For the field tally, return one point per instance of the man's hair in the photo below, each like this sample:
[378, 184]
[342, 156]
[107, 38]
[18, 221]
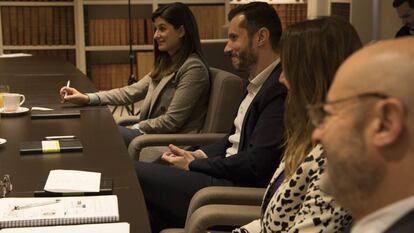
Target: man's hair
[258, 15]
[397, 3]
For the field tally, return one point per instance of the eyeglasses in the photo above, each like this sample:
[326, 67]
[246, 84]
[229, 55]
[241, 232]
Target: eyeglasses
[317, 112]
[5, 186]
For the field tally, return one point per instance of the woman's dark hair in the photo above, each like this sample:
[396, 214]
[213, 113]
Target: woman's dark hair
[177, 14]
[311, 53]
[258, 15]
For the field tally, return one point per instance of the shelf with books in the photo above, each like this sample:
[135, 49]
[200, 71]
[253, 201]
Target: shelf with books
[36, 27]
[78, 28]
[113, 30]
[341, 9]
[108, 69]
[106, 35]
[289, 11]
[107, 39]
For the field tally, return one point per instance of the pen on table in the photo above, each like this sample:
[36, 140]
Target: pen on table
[60, 137]
[67, 85]
[31, 205]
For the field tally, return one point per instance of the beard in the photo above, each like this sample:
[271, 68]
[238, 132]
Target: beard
[352, 176]
[246, 58]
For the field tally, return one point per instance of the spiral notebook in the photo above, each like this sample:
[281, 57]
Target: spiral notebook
[30, 212]
[119, 227]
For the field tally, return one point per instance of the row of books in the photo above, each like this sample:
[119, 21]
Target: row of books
[289, 13]
[341, 9]
[108, 76]
[68, 55]
[116, 32]
[40, 25]
[210, 20]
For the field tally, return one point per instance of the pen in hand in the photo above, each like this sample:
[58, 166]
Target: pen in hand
[67, 85]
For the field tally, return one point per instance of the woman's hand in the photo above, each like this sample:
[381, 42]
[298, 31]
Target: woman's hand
[69, 94]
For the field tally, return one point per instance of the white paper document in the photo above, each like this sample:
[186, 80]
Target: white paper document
[69, 181]
[121, 227]
[15, 55]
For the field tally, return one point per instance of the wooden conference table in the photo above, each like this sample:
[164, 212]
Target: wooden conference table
[40, 79]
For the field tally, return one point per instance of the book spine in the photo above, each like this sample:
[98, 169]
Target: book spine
[5, 18]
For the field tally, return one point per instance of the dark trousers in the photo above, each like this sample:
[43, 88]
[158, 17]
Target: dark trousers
[168, 191]
[128, 134]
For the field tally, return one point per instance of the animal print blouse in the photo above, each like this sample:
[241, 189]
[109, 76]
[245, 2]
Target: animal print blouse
[299, 205]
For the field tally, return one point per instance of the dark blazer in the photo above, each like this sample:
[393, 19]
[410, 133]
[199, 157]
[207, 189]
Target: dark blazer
[404, 225]
[261, 136]
[404, 31]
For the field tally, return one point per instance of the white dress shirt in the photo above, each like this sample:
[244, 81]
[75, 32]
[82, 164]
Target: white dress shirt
[382, 219]
[252, 89]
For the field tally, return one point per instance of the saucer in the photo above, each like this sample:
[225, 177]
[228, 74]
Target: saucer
[20, 111]
[2, 141]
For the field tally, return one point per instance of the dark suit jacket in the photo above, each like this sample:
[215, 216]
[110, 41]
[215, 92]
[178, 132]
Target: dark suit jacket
[261, 136]
[404, 31]
[404, 225]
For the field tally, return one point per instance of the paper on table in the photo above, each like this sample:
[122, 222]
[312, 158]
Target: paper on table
[121, 227]
[69, 181]
[35, 211]
[15, 55]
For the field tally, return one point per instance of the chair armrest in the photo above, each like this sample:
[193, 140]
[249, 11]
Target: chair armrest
[177, 139]
[221, 215]
[173, 230]
[138, 143]
[127, 120]
[226, 195]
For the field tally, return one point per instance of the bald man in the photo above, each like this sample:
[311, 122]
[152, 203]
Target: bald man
[367, 130]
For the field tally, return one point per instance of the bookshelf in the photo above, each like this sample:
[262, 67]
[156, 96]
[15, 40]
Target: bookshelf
[93, 34]
[289, 11]
[106, 57]
[38, 27]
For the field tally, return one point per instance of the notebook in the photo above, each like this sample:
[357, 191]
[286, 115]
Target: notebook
[51, 146]
[62, 113]
[121, 227]
[38, 211]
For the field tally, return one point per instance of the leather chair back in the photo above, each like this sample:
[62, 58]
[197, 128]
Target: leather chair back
[226, 90]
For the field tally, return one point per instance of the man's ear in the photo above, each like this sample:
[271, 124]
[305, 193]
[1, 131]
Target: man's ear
[182, 31]
[262, 36]
[389, 120]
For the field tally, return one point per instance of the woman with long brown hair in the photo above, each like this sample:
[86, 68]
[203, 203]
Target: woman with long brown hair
[294, 202]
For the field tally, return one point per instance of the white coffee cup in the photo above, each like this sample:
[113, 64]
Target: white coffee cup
[12, 101]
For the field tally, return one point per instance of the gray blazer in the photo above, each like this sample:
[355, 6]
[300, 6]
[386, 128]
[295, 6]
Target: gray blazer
[176, 103]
